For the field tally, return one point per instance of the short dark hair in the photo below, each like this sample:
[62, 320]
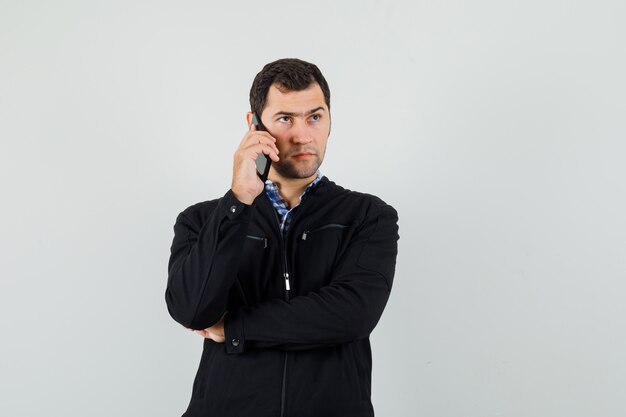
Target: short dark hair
[290, 74]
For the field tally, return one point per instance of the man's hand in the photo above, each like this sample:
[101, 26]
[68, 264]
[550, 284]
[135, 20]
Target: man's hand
[246, 184]
[215, 332]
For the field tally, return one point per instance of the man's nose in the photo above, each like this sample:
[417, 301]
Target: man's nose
[301, 132]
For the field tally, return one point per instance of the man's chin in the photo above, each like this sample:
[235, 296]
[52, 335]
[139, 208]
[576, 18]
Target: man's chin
[296, 172]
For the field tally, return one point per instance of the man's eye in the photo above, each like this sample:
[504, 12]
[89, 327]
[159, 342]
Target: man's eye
[316, 117]
[284, 119]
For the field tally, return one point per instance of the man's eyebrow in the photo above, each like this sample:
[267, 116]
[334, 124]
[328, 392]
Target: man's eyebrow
[286, 113]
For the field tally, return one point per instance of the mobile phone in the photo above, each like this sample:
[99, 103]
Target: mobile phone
[262, 161]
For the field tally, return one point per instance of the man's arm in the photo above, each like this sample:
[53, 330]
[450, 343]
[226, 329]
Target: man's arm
[204, 261]
[345, 310]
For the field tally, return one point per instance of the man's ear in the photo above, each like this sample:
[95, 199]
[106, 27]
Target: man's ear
[330, 126]
[249, 118]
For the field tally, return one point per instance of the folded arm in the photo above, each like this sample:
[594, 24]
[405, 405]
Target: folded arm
[204, 261]
[345, 310]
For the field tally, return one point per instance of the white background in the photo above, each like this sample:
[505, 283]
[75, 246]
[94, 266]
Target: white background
[495, 128]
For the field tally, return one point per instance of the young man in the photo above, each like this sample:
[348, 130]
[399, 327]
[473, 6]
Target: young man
[284, 280]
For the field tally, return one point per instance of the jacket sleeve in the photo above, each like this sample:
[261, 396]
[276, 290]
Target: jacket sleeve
[345, 310]
[203, 262]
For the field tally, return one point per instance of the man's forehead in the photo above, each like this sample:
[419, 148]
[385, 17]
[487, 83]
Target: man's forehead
[279, 99]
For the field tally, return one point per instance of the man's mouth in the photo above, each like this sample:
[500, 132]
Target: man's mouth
[303, 155]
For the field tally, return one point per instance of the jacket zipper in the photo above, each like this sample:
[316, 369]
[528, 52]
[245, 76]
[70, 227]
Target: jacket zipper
[284, 388]
[327, 226]
[286, 274]
[284, 240]
[283, 393]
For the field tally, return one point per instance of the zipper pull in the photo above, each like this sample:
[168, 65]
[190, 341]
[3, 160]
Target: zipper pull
[304, 235]
[287, 281]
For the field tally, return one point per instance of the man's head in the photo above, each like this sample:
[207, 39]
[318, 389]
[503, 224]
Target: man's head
[292, 99]
[288, 74]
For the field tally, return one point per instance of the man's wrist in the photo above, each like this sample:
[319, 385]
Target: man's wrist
[242, 199]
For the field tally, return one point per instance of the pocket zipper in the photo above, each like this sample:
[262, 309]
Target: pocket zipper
[260, 239]
[327, 226]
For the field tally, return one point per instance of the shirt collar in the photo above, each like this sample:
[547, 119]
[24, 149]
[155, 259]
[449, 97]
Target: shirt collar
[272, 189]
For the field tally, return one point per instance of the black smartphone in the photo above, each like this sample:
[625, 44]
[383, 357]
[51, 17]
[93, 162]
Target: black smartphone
[263, 161]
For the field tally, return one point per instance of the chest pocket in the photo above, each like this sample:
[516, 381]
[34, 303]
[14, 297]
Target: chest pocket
[319, 247]
[337, 226]
[256, 276]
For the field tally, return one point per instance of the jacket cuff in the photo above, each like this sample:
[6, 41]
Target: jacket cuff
[233, 333]
[232, 207]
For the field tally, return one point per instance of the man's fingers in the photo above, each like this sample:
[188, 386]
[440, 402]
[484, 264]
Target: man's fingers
[253, 141]
[263, 140]
[202, 333]
[268, 149]
[255, 151]
[274, 157]
[253, 135]
[208, 334]
[264, 146]
[266, 142]
[216, 337]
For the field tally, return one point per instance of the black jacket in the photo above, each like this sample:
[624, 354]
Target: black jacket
[301, 351]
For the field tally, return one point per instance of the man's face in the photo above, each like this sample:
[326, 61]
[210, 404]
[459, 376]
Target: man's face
[300, 122]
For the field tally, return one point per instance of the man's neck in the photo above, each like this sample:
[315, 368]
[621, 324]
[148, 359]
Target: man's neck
[290, 189]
